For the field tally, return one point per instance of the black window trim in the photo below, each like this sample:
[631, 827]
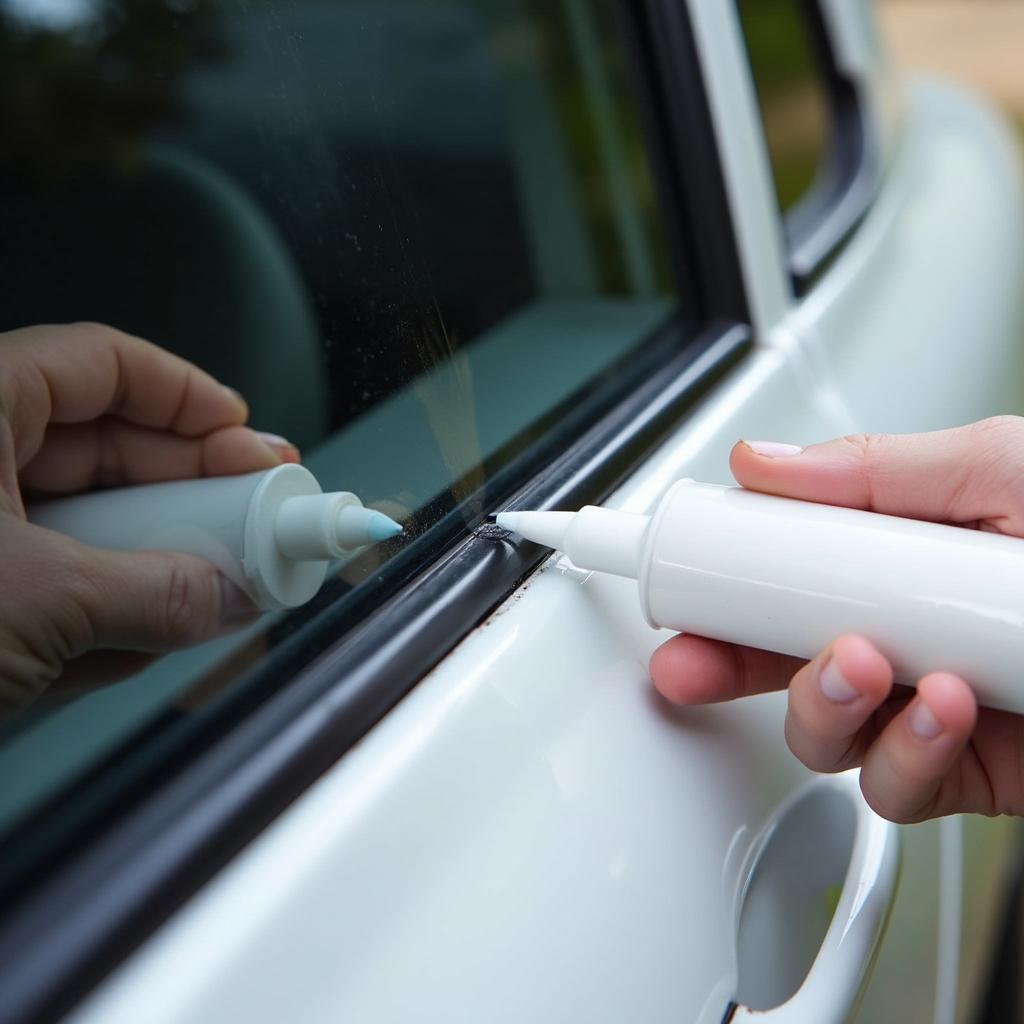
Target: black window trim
[822, 220]
[97, 904]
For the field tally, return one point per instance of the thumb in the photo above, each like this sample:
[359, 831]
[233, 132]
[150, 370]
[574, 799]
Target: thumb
[156, 600]
[969, 475]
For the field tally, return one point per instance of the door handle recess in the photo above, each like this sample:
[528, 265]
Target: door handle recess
[823, 846]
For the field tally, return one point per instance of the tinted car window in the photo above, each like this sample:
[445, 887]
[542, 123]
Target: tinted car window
[415, 235]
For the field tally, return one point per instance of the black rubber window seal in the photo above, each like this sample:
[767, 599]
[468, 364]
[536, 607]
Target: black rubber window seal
[817, 227]
[820, 224]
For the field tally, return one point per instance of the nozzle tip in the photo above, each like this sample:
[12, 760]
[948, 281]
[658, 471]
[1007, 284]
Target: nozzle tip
[507, 521]
[381, 527]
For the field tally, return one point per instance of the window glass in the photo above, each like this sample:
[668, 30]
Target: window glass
[415, 234]
[791, 91]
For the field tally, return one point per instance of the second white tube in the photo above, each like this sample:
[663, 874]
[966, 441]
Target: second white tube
[271, 533]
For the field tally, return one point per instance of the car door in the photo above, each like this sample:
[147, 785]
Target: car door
[905, 326]
[522, 254]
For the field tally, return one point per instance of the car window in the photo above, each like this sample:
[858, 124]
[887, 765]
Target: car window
[791, 93]
[417, 236]
[823, 158]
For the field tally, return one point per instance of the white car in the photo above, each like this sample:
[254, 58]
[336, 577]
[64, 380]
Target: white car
[474, 255]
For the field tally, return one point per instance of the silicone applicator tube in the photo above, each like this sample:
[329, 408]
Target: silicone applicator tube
[271, 533]
[789, 576]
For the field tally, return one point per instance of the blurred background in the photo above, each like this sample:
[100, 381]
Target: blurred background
[973, 42]
[979, 42]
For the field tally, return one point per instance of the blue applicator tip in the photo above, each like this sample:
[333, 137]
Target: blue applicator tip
[381, 527]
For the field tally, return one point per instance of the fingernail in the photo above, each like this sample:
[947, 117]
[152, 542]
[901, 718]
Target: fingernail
[774, 449]
[235, 605]
[835, 686]
[281, 446]
[923, 724]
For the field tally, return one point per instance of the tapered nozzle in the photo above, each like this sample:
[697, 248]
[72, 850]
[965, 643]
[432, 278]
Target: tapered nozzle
[357, 526]
[593, 538]
[547, 528]
[319, 527]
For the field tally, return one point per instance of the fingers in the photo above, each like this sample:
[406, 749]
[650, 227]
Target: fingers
[967, 475]
[909, 772]
[832, 703]
[69, 613]
[78, 372]
[694, 670]
[842, 714]
[154, 600]
[108, 451]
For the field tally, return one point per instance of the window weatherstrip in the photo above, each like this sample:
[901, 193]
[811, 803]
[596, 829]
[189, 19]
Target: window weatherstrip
[821, 221]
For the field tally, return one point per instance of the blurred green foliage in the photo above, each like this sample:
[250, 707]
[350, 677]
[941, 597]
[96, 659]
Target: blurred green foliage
[790, 92]
[777, 43]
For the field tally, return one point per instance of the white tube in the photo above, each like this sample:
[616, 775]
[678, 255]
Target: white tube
[271, 533]
[789, 576]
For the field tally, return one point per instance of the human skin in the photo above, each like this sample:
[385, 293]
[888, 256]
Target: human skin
[85, 406]
[923, 753]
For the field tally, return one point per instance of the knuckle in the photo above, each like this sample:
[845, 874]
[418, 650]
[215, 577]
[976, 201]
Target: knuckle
[835, 759]
[869, 453]
[824, 758]
[996, 439]
[868, 449]
[94, 331]
[82, 594]
[184, 606]
[805, 742]
[1004, 427]
[891, 807]
[95, 328]
[860, 445]
[880, 805]
[857, 444]
[821, 740]
[102, 336]
[997, 462]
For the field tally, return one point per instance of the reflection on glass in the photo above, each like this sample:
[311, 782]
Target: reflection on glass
[413, 234]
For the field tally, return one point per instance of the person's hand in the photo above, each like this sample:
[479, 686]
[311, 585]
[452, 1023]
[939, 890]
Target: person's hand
[83, 406]
[925, 753]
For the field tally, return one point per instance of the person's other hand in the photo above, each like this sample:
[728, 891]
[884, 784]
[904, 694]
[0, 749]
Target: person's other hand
[82, 406]
[922, 753]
